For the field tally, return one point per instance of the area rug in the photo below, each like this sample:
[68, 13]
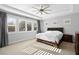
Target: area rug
[34, 50]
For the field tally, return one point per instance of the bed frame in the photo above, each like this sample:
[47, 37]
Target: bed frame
[52, 43]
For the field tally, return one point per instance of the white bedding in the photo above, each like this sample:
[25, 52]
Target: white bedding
[53, 36]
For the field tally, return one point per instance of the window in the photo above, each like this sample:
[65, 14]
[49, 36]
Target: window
[16, 24]
[11, 24]
[35, 26]
[22, 26]
[29, 26]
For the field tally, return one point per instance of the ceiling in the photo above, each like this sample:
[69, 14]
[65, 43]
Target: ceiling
[55, 9]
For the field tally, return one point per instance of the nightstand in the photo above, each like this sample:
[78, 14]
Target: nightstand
[68, 38]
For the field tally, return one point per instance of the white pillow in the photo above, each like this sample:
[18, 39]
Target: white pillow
[54, 32]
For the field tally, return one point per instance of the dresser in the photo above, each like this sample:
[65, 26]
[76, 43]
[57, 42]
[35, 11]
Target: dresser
[77, 43]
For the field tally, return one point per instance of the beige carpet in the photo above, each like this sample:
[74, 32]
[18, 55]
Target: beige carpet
[32, 47]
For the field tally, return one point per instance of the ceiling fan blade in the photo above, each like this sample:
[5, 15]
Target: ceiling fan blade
[46, 7]
[35, 8]
[41, 12]
[41, 6]
[46, 12]
[37, 12]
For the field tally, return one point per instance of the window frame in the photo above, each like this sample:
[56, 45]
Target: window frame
[12, 25]
[25, 25]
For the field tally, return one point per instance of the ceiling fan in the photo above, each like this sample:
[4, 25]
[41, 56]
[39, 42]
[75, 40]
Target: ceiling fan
[42, 10]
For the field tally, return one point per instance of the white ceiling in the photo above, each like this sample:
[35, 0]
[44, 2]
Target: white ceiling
[56, 9]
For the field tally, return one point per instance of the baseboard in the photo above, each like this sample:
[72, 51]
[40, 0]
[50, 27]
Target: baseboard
[11, 43]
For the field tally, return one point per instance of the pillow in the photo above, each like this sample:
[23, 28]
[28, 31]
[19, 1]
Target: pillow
[54, 32]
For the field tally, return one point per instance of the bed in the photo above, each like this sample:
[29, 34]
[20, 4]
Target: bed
[47, 40]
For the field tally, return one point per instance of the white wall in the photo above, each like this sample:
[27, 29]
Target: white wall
[69, 28]
[20, 36]
[76, 8]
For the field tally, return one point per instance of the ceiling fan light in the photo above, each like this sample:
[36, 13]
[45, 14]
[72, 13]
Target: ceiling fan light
[41, 10]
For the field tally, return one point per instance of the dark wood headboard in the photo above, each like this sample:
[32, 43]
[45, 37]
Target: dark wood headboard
[58, 29]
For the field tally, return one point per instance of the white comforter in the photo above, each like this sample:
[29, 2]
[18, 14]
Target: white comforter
[53, 36]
